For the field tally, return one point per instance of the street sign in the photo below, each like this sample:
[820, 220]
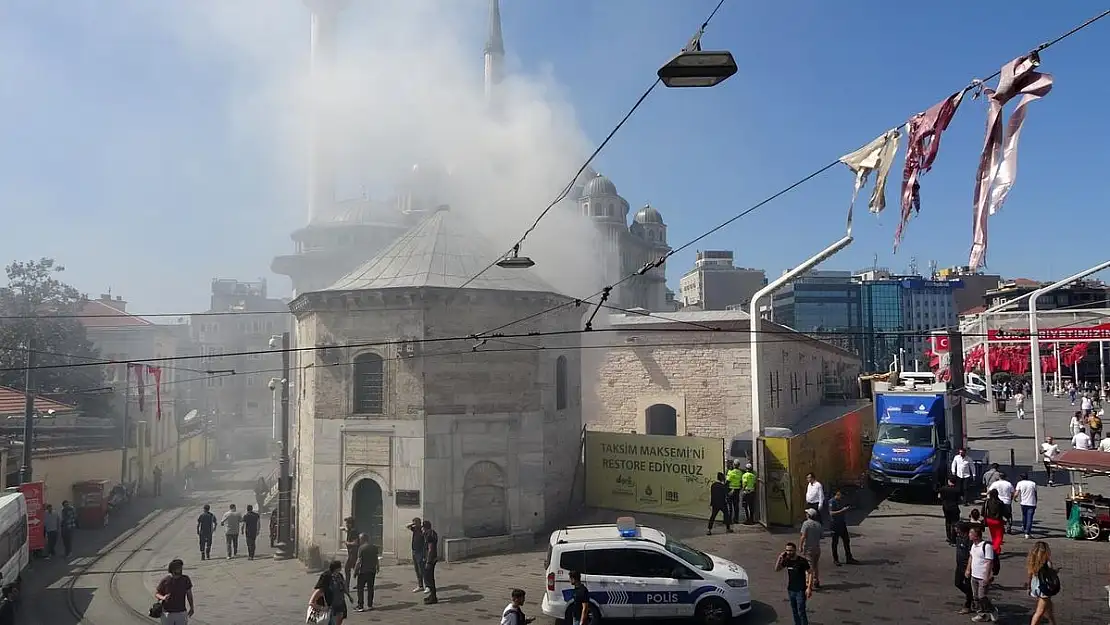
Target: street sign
[1051, 335]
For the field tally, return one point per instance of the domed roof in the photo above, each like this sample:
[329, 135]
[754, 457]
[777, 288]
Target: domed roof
[648, 215]
[599, 186]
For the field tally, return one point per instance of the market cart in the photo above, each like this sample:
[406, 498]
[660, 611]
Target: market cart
[1094, 509]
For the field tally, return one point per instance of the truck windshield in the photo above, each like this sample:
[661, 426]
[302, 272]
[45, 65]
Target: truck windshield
[909, 435]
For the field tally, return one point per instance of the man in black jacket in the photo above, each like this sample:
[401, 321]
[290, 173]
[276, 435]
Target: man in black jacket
[718, 502]
[963, 553]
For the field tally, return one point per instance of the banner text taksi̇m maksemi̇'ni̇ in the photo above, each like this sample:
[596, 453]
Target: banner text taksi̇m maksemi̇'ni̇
[651, 474]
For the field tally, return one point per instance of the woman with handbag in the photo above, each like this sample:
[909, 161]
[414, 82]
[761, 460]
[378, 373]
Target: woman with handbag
[328, 603]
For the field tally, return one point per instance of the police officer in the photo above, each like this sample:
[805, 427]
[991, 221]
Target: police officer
[735, 480]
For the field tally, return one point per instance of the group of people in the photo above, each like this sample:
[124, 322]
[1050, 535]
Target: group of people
[59, 526]
[732, 492]
[235, 523]
[331, 594]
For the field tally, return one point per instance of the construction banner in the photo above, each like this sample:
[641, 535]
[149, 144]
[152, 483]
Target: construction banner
[651, 474]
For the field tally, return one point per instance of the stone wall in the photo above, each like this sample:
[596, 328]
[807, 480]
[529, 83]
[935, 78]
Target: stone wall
[705, 377]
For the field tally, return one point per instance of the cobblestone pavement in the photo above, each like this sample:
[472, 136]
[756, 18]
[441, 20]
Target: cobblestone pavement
[906, 572]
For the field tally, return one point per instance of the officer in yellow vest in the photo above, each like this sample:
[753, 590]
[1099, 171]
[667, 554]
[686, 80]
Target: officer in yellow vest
[735, 478]
[747, 494]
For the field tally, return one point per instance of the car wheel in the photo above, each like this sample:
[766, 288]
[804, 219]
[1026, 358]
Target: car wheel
[714, 611]
[1091, 528]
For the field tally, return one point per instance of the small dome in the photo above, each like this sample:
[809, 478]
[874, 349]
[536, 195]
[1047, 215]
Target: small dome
[599, 186]
[648, 215]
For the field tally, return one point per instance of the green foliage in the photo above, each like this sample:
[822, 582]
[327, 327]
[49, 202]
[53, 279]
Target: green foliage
[34, 307]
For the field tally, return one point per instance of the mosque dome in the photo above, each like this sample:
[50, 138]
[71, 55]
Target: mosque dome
[599, 186]
[648, 215]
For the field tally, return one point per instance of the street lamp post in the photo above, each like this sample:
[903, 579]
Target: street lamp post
[284, 546]
[755, 357]
[28, 418]
[1035, 348]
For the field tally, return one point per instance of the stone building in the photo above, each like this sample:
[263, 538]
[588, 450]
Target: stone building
[697, 382]
[401, 419]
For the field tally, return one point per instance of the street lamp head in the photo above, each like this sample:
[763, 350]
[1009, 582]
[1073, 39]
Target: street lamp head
[513, 260]
[697, 68]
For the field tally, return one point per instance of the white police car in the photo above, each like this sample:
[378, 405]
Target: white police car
[638, 572]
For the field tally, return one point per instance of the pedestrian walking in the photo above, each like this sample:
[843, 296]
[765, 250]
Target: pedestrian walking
[329, 595]
[810, 544]
[417, 530]
[735, 478]
[513, 614]
[157, 480]
[366, 573]
[799, 582]
[1026, 493]
[992, 517]
[990, 476]
[579, 607]
[964, 471]
[1049, 451]
[962, 542]
[747, 494]
[69, 524]
[52, 525]
[950, 497]
[206, 527]
[252, 523]
[1019, 403]
[1005, 491]
[1044, 582]
[261, 489]
[231, 521]
[273, 528]
[838, 523]
[815, 497]
[175, 594]
[980, 570]
[431, 557]
[718, 504]
[350, 540]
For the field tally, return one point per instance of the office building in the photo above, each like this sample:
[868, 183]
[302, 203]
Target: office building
[975, 285]
[716, 284]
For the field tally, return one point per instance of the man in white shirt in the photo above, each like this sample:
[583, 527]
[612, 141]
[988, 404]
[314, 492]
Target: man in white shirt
[1026, 493]
[964, 471]
[1019, 403]
[1086, 405]
[1076, 423]
[1104, 444]
[1006, 495]
[1049, 451]
[980, 570]
[1081, 440]
[815, 496]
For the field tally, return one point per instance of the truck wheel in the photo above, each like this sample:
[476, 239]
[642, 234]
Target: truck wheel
[713, 611]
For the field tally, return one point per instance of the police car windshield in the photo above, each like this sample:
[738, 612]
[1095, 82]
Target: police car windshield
[689, 554]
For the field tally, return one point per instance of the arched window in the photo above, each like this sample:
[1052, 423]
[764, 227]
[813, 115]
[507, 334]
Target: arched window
[368, 382]
[561, 383]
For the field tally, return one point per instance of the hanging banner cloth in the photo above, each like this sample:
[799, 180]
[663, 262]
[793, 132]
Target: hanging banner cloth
[156, 373]
[998, 162]
[138, 370]
[922, 143]
[878, 157]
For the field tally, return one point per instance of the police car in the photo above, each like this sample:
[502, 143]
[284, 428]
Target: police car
[639, 572]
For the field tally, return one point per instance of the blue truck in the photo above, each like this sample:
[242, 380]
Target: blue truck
[917, 436]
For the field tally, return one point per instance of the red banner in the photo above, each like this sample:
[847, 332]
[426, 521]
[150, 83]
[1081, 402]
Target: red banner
[1088, 334]
[36, 533]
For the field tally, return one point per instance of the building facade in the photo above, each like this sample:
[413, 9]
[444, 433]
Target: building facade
[1084, 294]
[975, 285]
[653, 381]
[121, 337]
[233, 335]
[401, 418]
[715, 283]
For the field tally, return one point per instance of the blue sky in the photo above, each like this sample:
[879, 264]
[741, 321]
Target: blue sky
[119, 156]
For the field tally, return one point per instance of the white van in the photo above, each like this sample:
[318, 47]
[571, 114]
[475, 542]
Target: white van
[639, 572]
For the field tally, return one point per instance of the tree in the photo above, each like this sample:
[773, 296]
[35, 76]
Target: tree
[37, 312]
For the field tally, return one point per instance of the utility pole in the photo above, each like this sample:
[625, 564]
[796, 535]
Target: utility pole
[126, 426]
[28, 417]
[284, 546]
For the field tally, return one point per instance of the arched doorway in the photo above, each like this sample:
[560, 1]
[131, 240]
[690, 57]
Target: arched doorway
[485, 506]
[661, 419]
[366, 507]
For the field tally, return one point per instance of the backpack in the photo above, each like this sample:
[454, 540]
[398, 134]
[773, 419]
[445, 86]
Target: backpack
[1049, 579]
[995, 564]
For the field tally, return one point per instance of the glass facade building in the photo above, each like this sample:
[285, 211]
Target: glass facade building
[872, 318]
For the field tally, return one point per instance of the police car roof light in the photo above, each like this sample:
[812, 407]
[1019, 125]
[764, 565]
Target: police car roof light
[626, 527]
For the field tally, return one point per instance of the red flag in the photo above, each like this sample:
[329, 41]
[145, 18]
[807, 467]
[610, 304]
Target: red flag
[156, 373]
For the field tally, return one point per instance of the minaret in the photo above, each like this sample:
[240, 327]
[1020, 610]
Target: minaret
[494, 51]
[321, 153]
